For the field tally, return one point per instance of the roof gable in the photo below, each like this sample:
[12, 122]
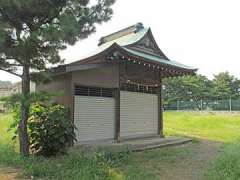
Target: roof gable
[148, 45]
[135, 42]
[136, 37]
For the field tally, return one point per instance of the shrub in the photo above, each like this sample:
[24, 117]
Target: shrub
[13, 104]
[50, 129]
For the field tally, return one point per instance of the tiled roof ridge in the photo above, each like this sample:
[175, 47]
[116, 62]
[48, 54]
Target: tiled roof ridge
[123, 32]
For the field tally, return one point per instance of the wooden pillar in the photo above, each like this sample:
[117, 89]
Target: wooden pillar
[117, 107]
[160, 109]
[117, 112]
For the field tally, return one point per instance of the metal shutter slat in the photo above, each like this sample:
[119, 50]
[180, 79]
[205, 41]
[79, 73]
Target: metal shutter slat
[94, 118]
[138, 113]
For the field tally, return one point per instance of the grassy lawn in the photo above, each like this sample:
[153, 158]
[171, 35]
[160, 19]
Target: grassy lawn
[217, 127]
[5, 121]
[215, 154]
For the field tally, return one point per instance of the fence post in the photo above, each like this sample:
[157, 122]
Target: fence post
[177, 104]
[230, 104]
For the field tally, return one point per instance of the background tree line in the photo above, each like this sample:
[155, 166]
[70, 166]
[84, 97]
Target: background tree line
[199, 87]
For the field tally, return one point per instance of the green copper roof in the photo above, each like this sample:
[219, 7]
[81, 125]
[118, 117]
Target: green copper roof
[158, 59]
[129, 36]
[128, 39]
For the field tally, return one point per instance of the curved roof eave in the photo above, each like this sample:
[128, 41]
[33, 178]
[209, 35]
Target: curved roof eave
[95, 55]
[137, 54]
[170, 63]
[124, 41]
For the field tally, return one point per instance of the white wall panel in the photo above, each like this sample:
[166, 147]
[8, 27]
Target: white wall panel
[94, 117]
[138, 114]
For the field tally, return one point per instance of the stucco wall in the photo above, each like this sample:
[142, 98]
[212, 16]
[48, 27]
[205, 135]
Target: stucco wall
[61, 86]
[106, 77]
[103, 77]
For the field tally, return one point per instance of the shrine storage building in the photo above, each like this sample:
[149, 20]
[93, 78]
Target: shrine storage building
[115, 93]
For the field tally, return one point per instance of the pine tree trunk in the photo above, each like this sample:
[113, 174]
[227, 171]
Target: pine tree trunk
[22, 128]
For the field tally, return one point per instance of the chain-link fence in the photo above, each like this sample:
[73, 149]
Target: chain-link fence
[211, 105]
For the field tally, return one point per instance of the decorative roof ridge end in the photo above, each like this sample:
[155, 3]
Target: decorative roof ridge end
[131, 29]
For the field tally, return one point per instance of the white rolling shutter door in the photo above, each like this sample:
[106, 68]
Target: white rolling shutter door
[138, 114]
[94, 118]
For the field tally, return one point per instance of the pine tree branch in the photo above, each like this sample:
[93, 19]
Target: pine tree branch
[8, 62]
[11, 72]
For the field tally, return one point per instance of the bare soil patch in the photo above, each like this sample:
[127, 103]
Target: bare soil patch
[8, 173]
[192, 166]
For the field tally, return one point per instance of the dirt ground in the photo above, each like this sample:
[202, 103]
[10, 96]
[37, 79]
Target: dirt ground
[8, 173]
[191, 167]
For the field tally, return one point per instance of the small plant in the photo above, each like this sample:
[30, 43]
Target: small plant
[113, 155]
[50, 129]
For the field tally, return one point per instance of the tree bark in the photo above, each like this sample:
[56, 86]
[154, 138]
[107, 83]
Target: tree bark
[22, 128]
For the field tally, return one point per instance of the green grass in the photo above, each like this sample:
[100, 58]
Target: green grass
[149, 165]
[5, 121]
[99, 165]
[8, 153]
[75, 165]
[227, 165]
[210, 126]
[224, 129]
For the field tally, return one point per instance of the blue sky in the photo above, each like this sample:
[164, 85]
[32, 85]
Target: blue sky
[201, 33]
